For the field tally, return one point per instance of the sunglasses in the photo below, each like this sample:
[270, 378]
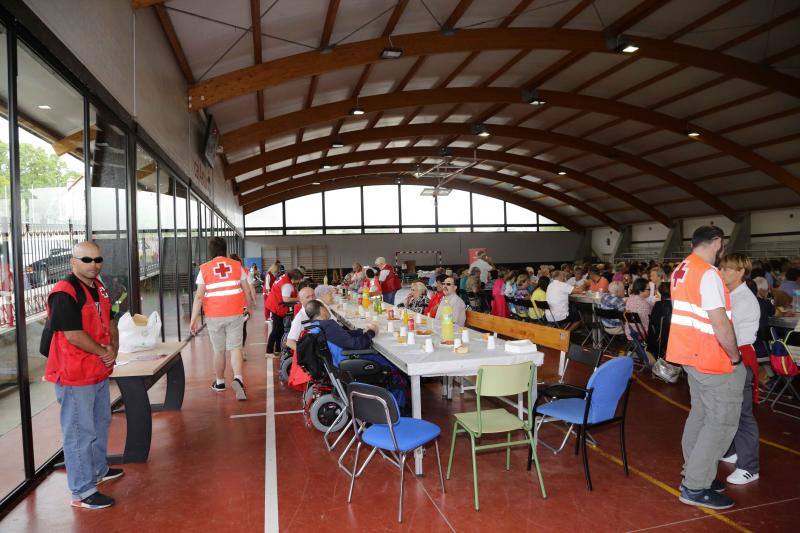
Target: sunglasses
[450, 284]
[88, 260]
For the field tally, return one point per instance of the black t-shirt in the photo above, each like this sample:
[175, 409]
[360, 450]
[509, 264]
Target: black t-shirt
[65, 314]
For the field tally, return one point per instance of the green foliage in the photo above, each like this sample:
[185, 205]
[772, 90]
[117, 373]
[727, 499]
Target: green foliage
[37, 168]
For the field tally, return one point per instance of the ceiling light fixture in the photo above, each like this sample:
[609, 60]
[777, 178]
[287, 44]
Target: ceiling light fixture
[357, 109]
[480, 130]
[45, 107]
[326, 166]
[392, 52]
[337, 144]
[621, 44]
[562, 173]
[693, 134]
[532, 97]
[315, 183]
[435, 191]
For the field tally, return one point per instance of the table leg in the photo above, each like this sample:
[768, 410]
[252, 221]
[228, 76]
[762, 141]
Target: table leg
[138, 419]
[416, 411]
[176, 384]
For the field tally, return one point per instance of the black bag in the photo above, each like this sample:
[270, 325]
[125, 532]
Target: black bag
[47, 333]
[310, 349]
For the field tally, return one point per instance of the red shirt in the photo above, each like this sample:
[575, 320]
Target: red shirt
[433, 304]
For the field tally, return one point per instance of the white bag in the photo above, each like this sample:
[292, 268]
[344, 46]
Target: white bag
[136, 338]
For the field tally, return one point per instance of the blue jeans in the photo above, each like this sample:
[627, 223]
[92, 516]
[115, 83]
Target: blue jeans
[85, 418]
[388, 297]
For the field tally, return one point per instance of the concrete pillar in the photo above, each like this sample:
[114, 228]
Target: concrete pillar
[740, 236]
[624, 242]
[673, 241]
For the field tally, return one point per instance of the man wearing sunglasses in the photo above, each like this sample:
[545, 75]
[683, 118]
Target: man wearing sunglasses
[81, 357]
[450, 290]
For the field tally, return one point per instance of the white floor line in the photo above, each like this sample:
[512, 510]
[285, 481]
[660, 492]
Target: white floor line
[718, 512]
[249, 415]
[428, 494]
[256, 343]
[270, 460]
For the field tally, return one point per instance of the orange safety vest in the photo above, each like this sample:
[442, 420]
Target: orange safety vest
[224, 295]
[691, 338]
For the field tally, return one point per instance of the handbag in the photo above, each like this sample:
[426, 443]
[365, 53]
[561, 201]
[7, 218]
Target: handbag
[665, 371]
[781, 360]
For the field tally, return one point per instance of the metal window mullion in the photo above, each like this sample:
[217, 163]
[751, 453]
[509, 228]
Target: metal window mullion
[26, 423]
[505, 217]
[133, 227]
[471, 219]
[399, 209]
[361, 189]
[323, 213]
[160, 254]
[175, 247]
[87, 167]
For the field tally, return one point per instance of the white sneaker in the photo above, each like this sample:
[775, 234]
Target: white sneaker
[730, 459]
[741, 477]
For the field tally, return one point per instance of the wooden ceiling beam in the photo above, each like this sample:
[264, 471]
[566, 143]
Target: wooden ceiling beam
[276, 72]
[141, 4]
[254, 133]
[169, 31]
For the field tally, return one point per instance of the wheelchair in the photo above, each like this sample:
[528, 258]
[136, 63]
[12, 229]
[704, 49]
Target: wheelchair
[285, 362]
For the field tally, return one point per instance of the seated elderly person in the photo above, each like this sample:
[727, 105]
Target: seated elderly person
[613, 300]
[417, 298]
[656, 276]
[597, 283]
[558, 299]
[638, 303]
[305, 295]
[451, 298]
[341, 339]
[577, 277]
[539, 295]
[475, 297]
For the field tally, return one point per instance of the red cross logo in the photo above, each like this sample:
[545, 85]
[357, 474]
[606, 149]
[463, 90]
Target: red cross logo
[102, 291]
[222, 270]
[679, 275]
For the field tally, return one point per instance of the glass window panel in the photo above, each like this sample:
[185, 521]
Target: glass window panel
[304, 211]
[303, 232]
[381, 230]
[343, 207]
[417, 209]
[147, 231]
[543, 220]
[194, 233]
[519, 215]
[183, 248]
[486, 210]
[342, 231]
[13, 467]
[552, 228]
[418, 230]
[488, 229]
[522, 228]
[461, 229]
[454, 208]
[53, 203]
[109, 206]
[381, 205]
[168, 256]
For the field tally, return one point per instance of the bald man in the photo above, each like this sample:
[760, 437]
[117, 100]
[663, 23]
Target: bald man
[81, 357]
[305, 295]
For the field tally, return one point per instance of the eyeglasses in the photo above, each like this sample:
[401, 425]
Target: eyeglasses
[88, 260]
[449, 284]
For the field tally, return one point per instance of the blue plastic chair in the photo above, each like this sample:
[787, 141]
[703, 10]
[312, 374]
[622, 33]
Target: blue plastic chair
[375, 406]
[596, 406]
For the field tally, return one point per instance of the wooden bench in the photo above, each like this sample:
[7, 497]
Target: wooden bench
[548, 337]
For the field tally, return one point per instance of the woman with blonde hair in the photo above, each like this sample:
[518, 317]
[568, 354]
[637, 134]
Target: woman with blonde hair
[417, 298]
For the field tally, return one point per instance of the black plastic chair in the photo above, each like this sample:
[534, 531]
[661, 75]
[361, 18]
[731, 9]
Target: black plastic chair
[637, 344]
[523, 307]
[548, 319]
[606, 338]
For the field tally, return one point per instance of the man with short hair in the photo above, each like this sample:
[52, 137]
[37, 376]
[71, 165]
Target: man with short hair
[597, 283]
[450, 297]
[284, 291]
[222, 292]
[558, 292]
[702, 339]
[577, 278]
[81, 357]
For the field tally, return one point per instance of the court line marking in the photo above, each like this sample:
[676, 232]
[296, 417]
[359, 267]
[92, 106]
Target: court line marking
[270, 460]
[686, 408]
[425, 490]
[723, 512]
[248, 415]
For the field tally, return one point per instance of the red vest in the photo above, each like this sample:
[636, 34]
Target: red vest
[691, 338]
[224, 295]
[433, 304]
[66, 362]
[275, 297]
[392, 282]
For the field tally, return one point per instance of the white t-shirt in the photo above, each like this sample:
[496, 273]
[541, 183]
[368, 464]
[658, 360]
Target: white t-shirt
[484, 267]
[286, 291]
[712, 291]
[745, 313]
[558, 299]
[297, 325]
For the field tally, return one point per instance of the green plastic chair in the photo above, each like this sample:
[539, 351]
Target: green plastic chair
[494, 381]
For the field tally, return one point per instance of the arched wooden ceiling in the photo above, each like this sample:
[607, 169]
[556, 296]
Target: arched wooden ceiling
[726, 70]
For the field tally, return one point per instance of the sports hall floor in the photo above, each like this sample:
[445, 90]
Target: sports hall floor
[207, 472]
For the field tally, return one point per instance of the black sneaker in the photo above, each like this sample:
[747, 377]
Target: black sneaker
[113, 473]
[219, 387]
[705, 498]
[238, 389]
[95, 501]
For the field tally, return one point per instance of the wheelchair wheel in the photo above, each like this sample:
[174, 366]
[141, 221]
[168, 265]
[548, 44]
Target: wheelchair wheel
[324, 411]
[284, 368]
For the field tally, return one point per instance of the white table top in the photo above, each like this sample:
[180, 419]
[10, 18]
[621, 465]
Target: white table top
[413, 360]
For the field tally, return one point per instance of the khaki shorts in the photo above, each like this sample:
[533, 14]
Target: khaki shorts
[225, 332]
